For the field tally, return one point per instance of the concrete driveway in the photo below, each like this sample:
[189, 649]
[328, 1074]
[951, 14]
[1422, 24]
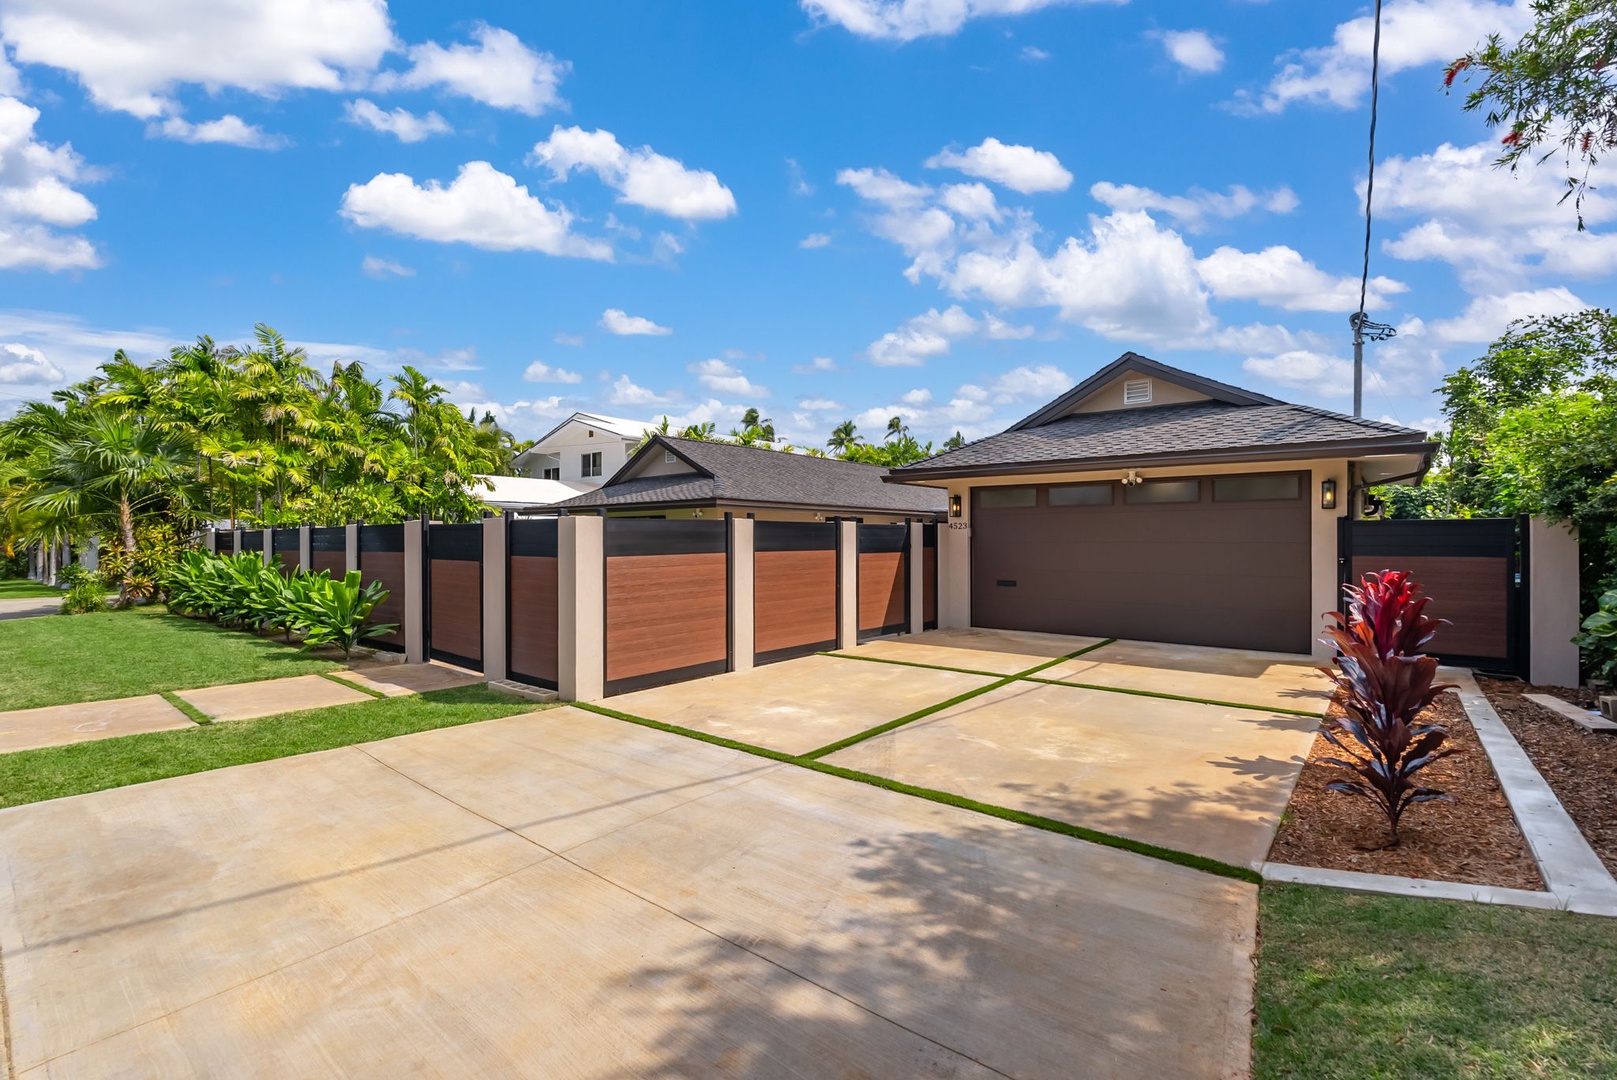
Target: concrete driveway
[564, 895]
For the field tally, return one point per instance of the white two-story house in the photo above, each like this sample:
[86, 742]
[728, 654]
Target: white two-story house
[577, 455]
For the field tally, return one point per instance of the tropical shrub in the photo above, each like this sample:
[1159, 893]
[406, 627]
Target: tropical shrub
[1384, 688]
[1599, 638]
[338, 612]
[74, 574]
[86, 596]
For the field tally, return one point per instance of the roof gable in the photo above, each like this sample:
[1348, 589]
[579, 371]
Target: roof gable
[1103, 391]
[611, 425]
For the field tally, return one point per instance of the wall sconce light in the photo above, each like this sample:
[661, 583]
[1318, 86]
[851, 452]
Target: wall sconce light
[1327, 494]
[1133, 479]
[954, 505]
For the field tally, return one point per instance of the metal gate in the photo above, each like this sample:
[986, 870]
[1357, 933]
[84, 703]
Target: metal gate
[381, 558]
[667, 601]
[454, 584]
[531, 604]
[1474, 570]
[884, 580]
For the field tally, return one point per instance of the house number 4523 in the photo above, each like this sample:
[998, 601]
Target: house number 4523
[959, 525]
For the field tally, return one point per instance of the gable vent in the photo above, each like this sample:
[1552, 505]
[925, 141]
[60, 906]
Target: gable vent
[1137, 392]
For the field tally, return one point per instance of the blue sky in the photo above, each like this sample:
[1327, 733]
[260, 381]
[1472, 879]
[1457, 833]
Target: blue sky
[945, 209]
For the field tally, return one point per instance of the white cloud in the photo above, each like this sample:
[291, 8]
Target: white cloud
[1280, 277]
[1033, 52]
[402, 123]
[74, 348]
[642, 177]
[498, 70]
[626, 392]
[21, 365]
[10, 77]
[1496, 228]
[906, 20]
[1042, 382]
[820, 405]
[973, 202]
[615, 321]
[1414, 33]
[1193, 209]
[562, 338]
[1403, 367]
[1193, 50]
[231, 130]
[924, 336]
[815, 366]
[997, 329]
[132, 56]
[1020, 168]
[815, 240]
[723, 378]
[1486, 317]
[482, 207]
[541, 372]
[382, 269]
[37, 198]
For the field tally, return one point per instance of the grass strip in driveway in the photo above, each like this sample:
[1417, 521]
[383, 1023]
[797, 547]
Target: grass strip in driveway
[921, 714]
[1351, 985]
[340, 681]
[192, 713]
[914, 664]
[56, 771]
[1178, 697]
[1019, 817]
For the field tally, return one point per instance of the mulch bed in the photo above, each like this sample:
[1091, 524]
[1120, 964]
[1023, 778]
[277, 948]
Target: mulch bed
[1473, 839]
[1580, 766]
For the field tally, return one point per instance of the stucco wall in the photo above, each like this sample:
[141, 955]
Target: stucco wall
[954, 601]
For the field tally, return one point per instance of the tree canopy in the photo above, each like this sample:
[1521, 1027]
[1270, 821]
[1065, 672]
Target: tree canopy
[1555, 90]
[253, 435]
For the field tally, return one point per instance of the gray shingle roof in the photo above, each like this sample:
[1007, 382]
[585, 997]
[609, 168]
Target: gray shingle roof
[749, 474]
[1167, 430]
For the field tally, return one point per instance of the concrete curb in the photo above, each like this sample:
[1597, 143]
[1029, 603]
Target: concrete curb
[1570, 867]
[1418, 887]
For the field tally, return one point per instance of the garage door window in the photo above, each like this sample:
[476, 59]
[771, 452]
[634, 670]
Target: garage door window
[1164, 491]
[1004, 498]
[1256, 488]
[1082, 495]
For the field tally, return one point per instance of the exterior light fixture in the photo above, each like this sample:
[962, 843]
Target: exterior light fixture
[1327, 494]
[1133, 479]
[954, 505]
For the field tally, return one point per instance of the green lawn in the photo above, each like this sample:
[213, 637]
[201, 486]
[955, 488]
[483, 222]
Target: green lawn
[53, 772]
[1359, 987]
[56, 661]
[23, 589]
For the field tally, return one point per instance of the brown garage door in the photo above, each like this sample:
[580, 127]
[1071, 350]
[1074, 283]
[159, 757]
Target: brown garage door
[1200, 560]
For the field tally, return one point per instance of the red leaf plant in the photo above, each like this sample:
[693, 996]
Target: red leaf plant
[1385, 685]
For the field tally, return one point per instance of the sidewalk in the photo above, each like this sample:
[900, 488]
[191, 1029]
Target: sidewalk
[59, 725]
[29, 607]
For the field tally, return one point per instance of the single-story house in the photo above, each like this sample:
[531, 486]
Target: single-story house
[1155, 504]
[692, 478]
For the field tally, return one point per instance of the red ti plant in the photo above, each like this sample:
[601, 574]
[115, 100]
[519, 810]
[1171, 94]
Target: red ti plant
[1385, 685]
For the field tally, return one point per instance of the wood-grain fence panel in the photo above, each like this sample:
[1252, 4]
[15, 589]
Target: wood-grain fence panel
[533, 624]
[667, 618]
[794, 603]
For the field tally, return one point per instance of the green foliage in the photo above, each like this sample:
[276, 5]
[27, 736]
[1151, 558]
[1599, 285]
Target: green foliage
[241, 590]
[1599, 638]
[1555, 89]
[75, 574]
[338, 612]
[86, 596]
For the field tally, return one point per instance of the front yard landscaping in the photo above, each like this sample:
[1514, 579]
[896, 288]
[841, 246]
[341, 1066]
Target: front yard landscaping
[58, 661]
[1358, 987]
[53, 772]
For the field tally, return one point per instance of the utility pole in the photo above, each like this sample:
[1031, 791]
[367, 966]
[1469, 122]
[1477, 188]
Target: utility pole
[1364, 330]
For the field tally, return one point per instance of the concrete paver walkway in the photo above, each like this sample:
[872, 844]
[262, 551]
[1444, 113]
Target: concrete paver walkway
[57, 725]
[401, 680]
[248, 701]
[563, 895]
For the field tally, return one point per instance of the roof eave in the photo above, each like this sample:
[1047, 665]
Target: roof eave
[751, 504]
[1335, 448]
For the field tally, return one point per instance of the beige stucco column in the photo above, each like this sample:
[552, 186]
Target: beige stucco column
[269, 546]
[235, 541]
[210, 541]
[917, 557]
[954, 564]
[581, 606]
[848, 584]
[1552, 601]
[1326, 551]
[415, 598]
[742, 636]
[305, 548]
[350, 555]
[495, 599]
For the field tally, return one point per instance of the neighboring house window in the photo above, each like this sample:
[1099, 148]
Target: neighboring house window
[552, 473]
[590, 464]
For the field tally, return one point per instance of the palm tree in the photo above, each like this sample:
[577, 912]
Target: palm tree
[897, 428]
[706, 432]
[844, 437]
[954, 442]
